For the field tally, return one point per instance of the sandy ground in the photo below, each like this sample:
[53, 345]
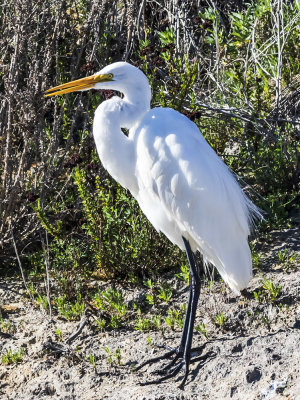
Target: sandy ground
[255, 356]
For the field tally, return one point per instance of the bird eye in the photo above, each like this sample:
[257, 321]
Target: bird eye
[110, 76]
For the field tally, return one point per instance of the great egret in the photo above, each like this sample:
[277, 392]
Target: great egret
[181, 185]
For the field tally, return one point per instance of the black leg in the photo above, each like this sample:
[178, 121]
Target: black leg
[181, 350]
[186, 320]
[182, 353]
[194, 294]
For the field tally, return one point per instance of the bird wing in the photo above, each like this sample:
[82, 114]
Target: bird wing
[186, 190]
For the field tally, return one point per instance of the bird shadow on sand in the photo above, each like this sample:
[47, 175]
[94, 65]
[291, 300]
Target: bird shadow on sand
[214, 351]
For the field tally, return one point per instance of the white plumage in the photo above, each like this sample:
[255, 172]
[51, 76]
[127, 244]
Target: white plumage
[182, 186]
[180, 183]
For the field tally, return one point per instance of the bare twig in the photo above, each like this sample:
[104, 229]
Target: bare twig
[46, 257]
[20, 265]
[280, 46]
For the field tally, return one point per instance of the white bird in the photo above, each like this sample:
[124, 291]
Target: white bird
[181, 185]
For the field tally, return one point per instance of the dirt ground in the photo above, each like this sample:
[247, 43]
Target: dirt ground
[256, 354]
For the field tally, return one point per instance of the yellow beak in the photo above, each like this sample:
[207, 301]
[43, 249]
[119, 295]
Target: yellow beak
[80, 84]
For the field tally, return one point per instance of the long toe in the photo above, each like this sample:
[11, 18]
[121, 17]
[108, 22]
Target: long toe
[157, 359]
[169, 366]
[178, 364]
[181, 365]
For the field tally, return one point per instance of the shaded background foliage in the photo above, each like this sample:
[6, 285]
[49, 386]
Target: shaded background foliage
[232, 68]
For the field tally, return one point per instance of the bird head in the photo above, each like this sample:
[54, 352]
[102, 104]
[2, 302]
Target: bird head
[119, 76]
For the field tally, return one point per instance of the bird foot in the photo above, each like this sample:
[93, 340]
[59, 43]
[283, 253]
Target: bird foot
[179, 363]
[170, 370]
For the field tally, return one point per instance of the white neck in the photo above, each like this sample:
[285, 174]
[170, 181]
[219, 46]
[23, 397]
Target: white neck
[116, 151]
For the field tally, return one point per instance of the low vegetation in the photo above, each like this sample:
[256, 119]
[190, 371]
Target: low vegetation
[233, 71]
